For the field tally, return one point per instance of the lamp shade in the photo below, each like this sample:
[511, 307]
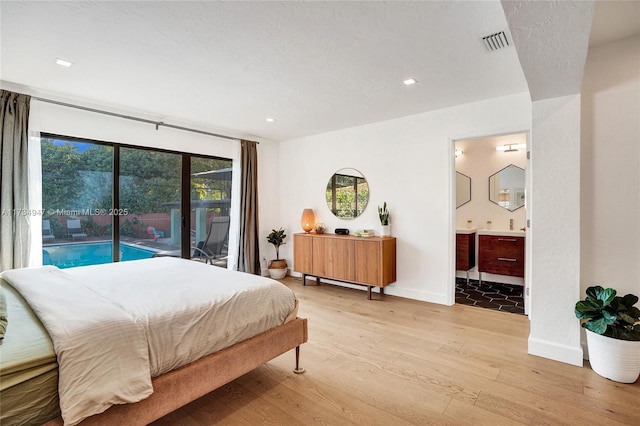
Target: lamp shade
[308, 220]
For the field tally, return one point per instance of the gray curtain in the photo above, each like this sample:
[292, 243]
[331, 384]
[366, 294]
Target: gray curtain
[14, 202]
[248, 250]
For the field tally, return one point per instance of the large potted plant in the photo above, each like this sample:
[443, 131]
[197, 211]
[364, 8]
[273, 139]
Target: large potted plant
[277, 266]
[613, 333]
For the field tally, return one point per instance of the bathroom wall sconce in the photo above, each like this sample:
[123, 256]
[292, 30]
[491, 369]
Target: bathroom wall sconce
[308, 220]
[511, 147]
[459, 152]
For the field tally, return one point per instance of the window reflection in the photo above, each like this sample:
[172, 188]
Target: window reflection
[506, 187]
[347, 193]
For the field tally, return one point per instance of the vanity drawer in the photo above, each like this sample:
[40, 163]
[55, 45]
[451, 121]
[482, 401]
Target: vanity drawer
[503, 255]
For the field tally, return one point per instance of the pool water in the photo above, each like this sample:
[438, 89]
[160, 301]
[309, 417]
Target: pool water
[83, 254]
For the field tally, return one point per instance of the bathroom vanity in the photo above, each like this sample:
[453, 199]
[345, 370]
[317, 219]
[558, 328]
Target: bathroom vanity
[465, 250]
[501, 252]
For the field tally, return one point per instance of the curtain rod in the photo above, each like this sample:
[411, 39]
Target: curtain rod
[142, 120]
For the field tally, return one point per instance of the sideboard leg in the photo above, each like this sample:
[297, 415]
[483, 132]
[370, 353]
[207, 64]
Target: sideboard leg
[304, 279]
[369, 292]
[381, 291]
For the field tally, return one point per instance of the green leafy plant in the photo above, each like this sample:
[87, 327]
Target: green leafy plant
[277, 239]
[91, 228]
[127, 229]
[605, 313]
[57, 229]
[384, 214]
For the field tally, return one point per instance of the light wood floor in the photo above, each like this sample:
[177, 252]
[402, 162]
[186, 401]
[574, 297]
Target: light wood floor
[399, 362]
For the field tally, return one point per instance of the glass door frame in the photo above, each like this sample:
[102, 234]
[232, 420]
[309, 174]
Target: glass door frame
[185, 187]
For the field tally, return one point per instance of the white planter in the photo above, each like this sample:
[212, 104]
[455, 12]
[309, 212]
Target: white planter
[385, 230]
[278, 274]
[615, 359]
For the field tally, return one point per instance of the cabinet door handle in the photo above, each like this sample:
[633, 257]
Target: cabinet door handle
[507, 259]
[513, 240]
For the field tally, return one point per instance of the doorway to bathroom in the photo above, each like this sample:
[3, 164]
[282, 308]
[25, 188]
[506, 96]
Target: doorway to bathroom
[490, 222]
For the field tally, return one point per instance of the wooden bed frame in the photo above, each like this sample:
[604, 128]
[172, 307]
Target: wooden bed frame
[185, 384]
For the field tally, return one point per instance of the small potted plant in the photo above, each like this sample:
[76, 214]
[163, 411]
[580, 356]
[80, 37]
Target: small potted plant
[383, 213]
[277, 266]
[613, 333]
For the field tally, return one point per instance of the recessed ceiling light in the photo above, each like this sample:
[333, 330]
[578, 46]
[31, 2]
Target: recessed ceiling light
[270, 120]
[409, 81]
[63, 62]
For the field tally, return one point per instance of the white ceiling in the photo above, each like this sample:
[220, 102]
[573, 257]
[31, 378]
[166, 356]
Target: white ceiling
[226, 66]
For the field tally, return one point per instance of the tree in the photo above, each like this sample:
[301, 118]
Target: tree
[60, 177]
[79, 175]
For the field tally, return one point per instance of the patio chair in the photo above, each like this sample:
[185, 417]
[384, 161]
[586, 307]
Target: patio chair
[154, 234]
[47, 235]
[213, 247]
[74, 229]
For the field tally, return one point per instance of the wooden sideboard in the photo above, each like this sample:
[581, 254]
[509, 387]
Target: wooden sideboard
[369, 261]
[501, 254]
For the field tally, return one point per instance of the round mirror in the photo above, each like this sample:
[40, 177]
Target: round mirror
[463, 189]
[347, 193]
[506, 187]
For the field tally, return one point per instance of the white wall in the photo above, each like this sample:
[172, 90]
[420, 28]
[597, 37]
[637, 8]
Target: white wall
[611, 167]
[408, 163]
[554, 209]
[51, 118]
[268, 196]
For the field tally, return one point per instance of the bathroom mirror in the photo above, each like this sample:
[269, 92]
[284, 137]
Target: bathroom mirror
[506, 187]
[347, 193]
[463, 189]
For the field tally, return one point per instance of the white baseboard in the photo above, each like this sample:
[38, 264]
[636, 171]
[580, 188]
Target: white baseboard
[423, 296]
[563, 353]
[391, 290]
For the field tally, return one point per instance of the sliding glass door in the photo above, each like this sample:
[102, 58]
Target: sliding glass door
[149, 200]
[107, 202]
[76, 198]
[210, 205]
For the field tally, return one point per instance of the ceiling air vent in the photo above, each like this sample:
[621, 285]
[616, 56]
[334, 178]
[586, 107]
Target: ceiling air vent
[495, 41]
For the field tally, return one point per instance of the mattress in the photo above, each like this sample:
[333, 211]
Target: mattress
[181, 303]
[28, 367]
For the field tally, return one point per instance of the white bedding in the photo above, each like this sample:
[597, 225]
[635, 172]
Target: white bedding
[159, 314]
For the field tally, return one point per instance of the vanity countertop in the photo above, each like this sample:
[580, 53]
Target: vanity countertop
[466, 231]
[504, 232]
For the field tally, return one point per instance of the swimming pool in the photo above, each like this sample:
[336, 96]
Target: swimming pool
[83, 254]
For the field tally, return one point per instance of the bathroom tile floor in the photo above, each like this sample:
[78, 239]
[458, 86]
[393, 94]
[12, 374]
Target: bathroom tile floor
[490, 295]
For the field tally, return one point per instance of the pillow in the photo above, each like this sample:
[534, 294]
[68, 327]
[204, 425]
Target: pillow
[4, 320]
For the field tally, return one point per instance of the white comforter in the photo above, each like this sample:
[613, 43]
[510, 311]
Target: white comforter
[115, 326]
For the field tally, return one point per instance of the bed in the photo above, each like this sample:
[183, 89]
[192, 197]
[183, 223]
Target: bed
[186, 352]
